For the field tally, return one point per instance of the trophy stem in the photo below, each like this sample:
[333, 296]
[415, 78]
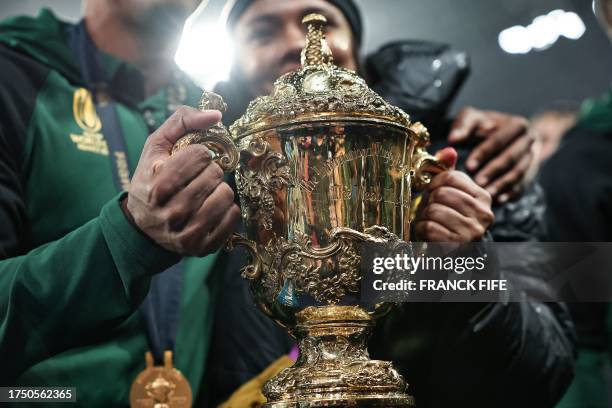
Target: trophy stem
[334, 368]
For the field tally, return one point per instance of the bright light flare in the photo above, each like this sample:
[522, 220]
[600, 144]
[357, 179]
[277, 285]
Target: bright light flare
[205, 53]
[542, 33]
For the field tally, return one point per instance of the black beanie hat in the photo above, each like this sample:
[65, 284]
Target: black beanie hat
[347, 7]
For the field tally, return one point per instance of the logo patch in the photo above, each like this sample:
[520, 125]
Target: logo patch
[91, 140]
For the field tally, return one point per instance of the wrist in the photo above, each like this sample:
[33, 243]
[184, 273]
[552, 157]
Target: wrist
[126, 211]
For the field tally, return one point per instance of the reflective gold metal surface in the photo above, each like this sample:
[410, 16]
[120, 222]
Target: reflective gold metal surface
[160, 386]
[318, 92]
[310, 194]
[216, 138]
[324, 165]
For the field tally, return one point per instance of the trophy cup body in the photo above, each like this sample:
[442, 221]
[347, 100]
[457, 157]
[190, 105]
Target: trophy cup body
[310, 194]
[322, 165]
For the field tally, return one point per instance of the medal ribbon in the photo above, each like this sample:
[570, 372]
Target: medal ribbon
[161, 308]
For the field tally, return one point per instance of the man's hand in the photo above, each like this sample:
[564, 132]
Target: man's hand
[454, 209]
[181, 201]
[504, 161]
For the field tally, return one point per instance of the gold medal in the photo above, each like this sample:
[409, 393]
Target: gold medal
[160, 386]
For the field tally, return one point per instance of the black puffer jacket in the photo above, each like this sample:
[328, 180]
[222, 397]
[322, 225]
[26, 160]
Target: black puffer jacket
[493, 354]
[471, 353]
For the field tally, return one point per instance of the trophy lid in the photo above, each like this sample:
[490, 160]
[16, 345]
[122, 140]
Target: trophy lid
[319, 92]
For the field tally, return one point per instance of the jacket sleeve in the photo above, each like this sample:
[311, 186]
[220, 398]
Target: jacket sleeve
[504, 354]
[526, 347]
[476, 354]
[74, 289]
[70, 291]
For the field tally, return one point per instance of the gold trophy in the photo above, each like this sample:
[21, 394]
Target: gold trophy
[322, 165]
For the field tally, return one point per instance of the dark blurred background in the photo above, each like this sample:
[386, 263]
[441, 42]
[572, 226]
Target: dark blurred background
[562, 74]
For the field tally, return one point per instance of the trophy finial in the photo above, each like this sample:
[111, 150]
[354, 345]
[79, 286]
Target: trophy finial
[212, 101]
[316, 51]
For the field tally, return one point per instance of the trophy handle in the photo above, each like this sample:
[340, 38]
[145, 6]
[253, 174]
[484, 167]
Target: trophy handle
[253, 270]
[217, 138]
[424, 165]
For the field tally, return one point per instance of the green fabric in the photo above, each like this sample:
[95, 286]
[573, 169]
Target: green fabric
[589, 389]
[43, 39]
[71, 311]
[596, 114]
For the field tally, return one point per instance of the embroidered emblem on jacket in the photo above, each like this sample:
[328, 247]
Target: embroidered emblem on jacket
[91, 140]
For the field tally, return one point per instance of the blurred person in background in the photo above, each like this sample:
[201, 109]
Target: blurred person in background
[577, 180]
[449, 354]
[89, 273]
[549, 126]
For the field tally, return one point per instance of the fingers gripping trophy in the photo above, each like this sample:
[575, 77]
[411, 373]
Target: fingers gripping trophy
[322, 165]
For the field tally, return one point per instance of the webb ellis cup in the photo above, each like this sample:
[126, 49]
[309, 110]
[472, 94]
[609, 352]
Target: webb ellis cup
[322, 165]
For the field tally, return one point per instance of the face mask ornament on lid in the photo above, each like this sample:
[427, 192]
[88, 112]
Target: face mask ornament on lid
[322, 165]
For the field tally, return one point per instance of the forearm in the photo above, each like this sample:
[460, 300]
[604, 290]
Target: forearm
[69, 291]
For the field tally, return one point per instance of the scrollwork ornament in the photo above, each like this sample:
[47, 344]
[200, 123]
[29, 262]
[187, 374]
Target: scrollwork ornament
[257, 186]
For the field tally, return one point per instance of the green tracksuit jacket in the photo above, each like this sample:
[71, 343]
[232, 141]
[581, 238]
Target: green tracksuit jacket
[73, 271]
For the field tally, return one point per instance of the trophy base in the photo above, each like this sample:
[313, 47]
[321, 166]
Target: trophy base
[403, 401]
[334, 368]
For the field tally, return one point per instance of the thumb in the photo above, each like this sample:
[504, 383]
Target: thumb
[448, 157]
[185, 120]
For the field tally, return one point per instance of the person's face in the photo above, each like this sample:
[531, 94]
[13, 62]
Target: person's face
[269, 38]
[604, 12]
[550, 128]
[160, 20]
